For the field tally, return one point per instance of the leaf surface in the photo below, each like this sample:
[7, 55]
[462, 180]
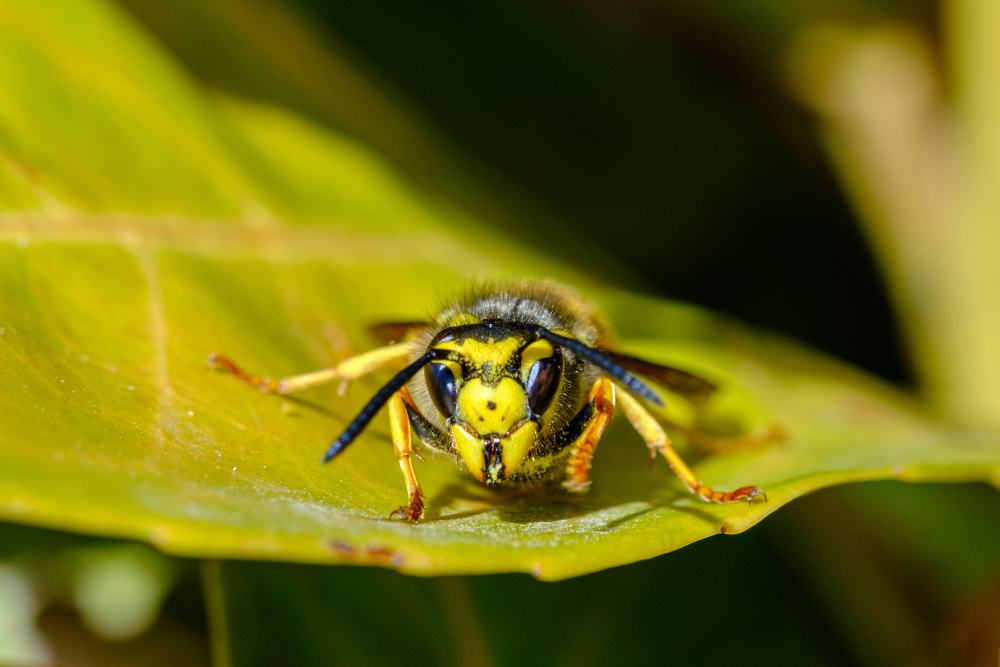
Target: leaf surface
[147, 222]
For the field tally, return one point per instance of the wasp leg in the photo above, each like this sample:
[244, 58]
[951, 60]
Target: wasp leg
[711, 444]
[348, 369]
[601, 403]
[657, 440]
[399, 426]
[265, 384]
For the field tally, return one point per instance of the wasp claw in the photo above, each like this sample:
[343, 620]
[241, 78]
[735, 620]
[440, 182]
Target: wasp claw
[411, 513]
[751, 493]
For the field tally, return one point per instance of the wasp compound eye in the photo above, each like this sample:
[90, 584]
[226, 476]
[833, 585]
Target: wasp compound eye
[441, 385]
[543, 381]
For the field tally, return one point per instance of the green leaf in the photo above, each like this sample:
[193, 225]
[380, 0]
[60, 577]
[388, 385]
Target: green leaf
[148, 223]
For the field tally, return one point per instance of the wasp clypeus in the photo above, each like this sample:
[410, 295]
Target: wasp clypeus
[516, 381]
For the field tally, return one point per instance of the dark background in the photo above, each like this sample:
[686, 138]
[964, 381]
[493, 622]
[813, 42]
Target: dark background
[663, 150]
[652, 144]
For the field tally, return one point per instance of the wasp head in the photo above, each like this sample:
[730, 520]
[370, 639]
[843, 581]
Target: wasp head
[492, 383]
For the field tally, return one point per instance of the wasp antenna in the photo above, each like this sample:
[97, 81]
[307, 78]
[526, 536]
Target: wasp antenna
[603, 362]
[368, 413]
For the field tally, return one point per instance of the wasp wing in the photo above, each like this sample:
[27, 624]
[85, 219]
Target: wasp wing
[695, 389]
[394, 332]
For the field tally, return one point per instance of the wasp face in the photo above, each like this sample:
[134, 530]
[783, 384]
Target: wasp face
[492, 390]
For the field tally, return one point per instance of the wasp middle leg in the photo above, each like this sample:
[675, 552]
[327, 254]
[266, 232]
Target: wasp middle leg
[657, 440]
[713, 444]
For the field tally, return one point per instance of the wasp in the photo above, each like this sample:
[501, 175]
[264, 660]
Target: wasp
[518, 381]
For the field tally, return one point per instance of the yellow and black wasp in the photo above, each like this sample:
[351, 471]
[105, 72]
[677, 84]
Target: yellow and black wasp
[514, 380]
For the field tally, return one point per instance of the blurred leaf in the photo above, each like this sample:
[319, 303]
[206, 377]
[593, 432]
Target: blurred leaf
[890, 565]
[81, 600]
[20, 643]
[265, 50]
[665, 611]
[119, 591]
[968, 321]
[936, 528]
[918, 151]
[149, 224]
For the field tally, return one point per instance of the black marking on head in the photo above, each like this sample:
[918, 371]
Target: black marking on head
[491, 405]
[492, 328]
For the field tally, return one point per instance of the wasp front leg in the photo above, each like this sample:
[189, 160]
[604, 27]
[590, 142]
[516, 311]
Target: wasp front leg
[599, 410]
[657, 440]
[399, 426]
[349, 369]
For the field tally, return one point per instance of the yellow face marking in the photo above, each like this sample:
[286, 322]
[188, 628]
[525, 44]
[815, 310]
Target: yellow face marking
[495, 352]
[537, 351]
[485, 409]
[514, 449]
[471, 449]
[517, 447]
